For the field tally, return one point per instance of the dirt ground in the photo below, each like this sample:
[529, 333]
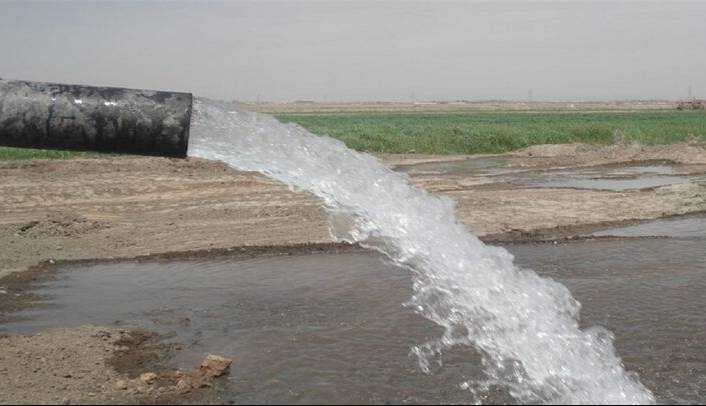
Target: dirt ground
[90, 365]
[128, 207]
[69, 361]
[304, 106]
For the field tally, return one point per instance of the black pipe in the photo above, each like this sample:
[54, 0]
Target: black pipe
[101, 119]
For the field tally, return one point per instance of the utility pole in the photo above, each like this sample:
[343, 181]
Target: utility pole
[529, 96]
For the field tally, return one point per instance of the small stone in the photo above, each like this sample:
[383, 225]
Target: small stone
[121, 384]
[183, 386]
[214, 366]
[205, 384]
[148, 378]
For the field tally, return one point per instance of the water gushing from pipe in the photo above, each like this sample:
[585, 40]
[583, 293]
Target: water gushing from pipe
[525, 327]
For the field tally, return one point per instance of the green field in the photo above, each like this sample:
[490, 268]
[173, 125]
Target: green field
[476, 132]
[20, 153]
[498, 131]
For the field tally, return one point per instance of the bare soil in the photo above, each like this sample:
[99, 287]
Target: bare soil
[90, 365]
[119, 208]
[316, 107]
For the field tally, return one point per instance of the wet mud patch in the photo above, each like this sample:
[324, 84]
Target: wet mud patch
[506, 171]
[617, 178]
[459, 167]
[693, 226]
[141, 351]
[679, 226]
[18, 290]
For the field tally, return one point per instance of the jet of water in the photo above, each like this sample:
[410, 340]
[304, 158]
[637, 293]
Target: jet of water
[524, 326]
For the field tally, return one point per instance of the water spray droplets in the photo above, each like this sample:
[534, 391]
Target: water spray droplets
[523, 326]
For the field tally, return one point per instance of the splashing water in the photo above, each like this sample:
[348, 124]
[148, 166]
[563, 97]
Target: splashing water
[525, 327]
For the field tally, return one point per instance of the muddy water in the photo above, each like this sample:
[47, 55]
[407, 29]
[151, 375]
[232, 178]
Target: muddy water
[633, 176]
[609, 178]
[479, 165]
[677, 227]
[329, 328]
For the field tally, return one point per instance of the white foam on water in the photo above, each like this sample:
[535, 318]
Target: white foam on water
[525, 327]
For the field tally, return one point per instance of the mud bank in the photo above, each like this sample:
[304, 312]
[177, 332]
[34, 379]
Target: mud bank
[92, 365]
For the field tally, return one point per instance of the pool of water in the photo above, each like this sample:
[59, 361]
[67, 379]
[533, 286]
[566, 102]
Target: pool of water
[615, 179]
[676, 227]
[633, 176]
[471, 166]
[330, 328]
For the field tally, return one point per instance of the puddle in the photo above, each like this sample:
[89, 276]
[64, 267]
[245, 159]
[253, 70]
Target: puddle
[329, 328]
[605, 177]
[608, 178]
[677, 227]
[472, 166]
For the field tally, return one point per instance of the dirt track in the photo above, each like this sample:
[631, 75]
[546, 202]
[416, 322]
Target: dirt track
[128, 207]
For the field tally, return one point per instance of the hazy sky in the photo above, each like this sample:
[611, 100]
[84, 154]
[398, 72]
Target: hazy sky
[347, 51]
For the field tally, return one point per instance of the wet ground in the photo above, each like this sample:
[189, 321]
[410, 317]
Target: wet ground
[631, 177]
[675, 227]
[518, 172]
[330, 328]
[460, 167]
[126, 208]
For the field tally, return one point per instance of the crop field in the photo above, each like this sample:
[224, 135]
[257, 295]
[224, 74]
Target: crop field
[7, 153]
[474, 132]
[499, 131]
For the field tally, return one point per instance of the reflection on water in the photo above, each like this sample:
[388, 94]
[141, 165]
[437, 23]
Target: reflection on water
[677, 227]
[329, 328]
[606, 177]
[615, 179]
[471, 166]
